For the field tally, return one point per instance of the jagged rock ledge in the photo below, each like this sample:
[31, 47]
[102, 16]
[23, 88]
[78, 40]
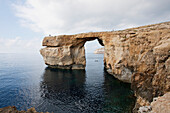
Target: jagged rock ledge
[139, 56]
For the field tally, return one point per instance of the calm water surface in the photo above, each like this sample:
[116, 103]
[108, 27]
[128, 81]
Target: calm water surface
[26, 82]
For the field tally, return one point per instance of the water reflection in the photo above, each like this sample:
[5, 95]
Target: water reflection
[119, 97]
[27, 85]
[68, 91]
[63, 86]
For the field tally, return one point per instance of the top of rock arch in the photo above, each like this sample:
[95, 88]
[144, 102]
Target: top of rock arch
[72, 40]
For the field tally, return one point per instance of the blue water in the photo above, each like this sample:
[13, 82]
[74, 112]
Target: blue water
[25, 81]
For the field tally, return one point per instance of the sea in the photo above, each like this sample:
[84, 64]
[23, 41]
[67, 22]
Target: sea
[25, 82]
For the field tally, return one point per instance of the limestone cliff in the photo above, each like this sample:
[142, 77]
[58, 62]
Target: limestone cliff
[138, 55]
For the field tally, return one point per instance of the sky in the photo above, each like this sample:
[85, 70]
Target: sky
[24, 23]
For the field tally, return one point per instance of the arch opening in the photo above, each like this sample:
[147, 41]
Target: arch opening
[91, 57]
[92, 45]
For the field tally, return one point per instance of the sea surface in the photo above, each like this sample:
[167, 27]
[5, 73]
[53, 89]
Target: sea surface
[25, 81]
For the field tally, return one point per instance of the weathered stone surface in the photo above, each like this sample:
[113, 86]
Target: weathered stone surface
[145, 109]
[138, 55]
[161, 104]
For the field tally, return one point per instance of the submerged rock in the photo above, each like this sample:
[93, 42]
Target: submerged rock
[13, 109]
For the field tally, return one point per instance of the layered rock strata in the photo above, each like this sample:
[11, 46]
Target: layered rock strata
[138, 55]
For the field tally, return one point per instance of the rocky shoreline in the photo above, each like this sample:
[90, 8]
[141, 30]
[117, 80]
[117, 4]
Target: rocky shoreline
[139, 56]
[13, 109]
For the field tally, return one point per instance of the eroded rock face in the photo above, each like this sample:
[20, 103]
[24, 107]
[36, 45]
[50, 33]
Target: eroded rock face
[139, 56]
[65, 57]
[159, 105]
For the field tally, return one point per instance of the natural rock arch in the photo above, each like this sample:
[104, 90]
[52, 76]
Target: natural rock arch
[140, 56]
[66, 51]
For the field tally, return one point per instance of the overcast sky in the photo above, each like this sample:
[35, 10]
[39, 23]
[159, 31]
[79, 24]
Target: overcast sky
[24, 23]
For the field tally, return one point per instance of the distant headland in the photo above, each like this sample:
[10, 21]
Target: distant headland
[99, 51]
